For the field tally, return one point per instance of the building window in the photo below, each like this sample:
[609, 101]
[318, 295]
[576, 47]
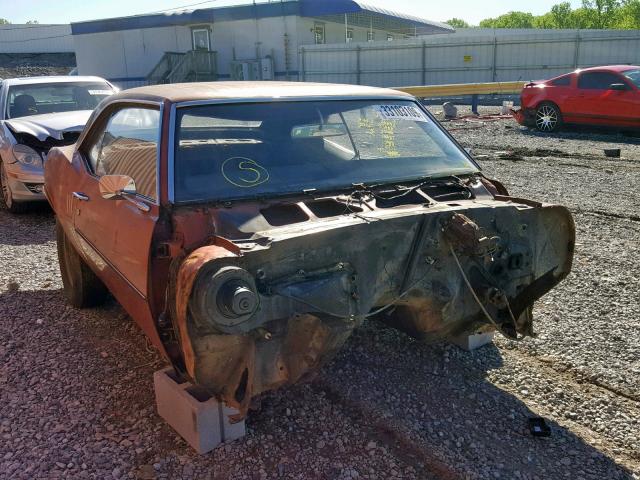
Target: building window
[371, 36]
[389, 37]
[319, 33]
[349, 35]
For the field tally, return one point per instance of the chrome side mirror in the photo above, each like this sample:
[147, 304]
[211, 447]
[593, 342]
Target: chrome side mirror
[115, 186]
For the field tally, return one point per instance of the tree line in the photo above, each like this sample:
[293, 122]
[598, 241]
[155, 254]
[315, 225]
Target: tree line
[593, 14]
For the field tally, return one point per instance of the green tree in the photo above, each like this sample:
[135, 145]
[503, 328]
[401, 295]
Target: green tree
[545, 21]
[629, 15]
[510, 20]
[601, 13]
[457, 23]
[581, 18]
[32, 22]
[562, 15]
[595, 14]
[4, 21]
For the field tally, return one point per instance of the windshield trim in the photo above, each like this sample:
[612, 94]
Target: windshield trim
[632, 70]
[173, 114]
[307, 98]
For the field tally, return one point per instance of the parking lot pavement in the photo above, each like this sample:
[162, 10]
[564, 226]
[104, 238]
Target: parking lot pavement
[76, 394]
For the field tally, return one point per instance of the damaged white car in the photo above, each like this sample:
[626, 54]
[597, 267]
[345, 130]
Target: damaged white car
[36, 114]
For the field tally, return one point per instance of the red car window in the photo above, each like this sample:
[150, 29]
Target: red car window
[562, 81]
[597, 80]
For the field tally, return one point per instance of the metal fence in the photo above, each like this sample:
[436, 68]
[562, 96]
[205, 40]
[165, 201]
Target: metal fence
[486, 56]
[36, 38]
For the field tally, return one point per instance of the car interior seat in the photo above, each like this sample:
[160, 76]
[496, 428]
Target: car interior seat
[23, 105]
[83, 99]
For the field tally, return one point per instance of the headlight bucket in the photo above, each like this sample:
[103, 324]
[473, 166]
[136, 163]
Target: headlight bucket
[225, 299]
[27, 156]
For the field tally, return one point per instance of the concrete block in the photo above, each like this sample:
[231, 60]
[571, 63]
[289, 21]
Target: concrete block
[197, 417]
[473, 342]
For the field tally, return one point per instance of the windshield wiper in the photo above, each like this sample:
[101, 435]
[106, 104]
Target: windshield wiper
[407, 190]
[353, 142]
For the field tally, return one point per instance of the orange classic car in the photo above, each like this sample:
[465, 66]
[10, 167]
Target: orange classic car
[249, 228]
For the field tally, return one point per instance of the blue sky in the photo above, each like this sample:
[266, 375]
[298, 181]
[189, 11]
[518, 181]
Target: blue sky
[65, 11]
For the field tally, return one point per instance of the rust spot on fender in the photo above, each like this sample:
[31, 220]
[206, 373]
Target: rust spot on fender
[186, 276]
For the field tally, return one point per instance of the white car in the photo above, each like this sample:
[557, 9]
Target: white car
[36, 114]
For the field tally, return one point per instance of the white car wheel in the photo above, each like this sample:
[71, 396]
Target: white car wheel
[548, 118]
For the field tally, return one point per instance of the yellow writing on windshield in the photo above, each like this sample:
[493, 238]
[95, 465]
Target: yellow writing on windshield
[388, 130]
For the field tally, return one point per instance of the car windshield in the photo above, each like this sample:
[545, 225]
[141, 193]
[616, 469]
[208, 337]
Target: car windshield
[634, 76]
[39, 98]
[251, 150]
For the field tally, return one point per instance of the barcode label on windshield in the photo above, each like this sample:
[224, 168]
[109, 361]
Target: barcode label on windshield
[401, 112]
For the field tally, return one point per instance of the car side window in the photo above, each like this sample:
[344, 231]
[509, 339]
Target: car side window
[597, 80]
[562, 81]
[128, 145]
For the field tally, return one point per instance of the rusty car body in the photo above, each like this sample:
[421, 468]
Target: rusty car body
[249, 228]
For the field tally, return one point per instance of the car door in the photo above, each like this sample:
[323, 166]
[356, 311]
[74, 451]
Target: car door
[627, 101]
[116, 233]
[596, 102]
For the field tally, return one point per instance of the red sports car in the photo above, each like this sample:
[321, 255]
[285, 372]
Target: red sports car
[594, 96]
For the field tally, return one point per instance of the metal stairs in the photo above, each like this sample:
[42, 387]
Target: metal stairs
[178, 67]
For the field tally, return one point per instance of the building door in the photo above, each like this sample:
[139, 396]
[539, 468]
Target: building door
[202, 63]
[201, 40]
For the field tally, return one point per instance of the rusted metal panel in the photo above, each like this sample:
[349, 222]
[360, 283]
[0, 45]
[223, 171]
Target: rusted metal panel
[319, 280]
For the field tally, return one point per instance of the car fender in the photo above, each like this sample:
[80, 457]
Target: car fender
[7, 141]
[545, 100]
[61, 171]
[186, 276]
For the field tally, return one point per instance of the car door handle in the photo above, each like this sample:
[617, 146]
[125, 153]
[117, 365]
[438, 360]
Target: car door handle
[81, 196]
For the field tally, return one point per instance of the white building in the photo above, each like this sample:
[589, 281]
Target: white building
[259, 41]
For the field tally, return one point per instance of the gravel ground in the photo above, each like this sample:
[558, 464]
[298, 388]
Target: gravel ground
[76, 394]
[35, 64]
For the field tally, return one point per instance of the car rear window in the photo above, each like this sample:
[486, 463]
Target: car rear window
[597, 80]
[41, 98]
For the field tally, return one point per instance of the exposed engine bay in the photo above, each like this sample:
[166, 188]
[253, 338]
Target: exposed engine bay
[283, 283]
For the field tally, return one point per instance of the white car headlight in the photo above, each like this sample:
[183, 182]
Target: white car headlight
[27, 155]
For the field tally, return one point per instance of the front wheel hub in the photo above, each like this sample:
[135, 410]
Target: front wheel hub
[237, 299]
[224, 300]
